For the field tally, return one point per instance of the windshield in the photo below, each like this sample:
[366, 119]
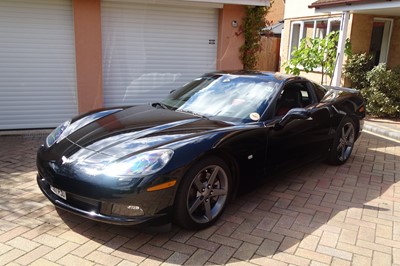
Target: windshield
[225, 97]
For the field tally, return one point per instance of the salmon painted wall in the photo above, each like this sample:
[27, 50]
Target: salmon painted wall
[88, 49]
[229, 39]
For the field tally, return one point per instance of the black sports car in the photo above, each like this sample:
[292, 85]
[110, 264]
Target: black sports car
[183, 158]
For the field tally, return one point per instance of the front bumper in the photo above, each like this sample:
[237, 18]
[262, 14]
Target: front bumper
[97, 210]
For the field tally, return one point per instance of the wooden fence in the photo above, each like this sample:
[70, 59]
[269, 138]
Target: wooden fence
[268, 57]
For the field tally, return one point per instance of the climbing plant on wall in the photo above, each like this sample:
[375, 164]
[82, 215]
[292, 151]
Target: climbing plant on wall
[251, 28]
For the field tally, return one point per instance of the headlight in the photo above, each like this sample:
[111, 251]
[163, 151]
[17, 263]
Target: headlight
[56, 133]
[67, 128]
[140, 165]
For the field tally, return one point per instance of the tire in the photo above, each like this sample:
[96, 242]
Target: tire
[343, 142]
[203, 194]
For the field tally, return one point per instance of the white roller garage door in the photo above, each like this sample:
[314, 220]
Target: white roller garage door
[37, 63]
[151, 49]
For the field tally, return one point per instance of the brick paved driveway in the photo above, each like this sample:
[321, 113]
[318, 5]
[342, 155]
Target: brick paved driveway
[315, 216]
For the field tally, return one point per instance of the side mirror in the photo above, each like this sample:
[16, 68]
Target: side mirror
[292, 114]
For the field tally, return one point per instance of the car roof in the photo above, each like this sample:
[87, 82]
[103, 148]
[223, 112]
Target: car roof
[266, 75]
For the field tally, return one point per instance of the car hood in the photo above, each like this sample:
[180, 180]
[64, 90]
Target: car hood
[132, 130]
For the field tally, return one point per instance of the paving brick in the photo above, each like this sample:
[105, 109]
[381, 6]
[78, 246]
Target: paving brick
[236, 262]
[179, 247]
[310, 242]
[340, 262]
[129, 255]
[158, 252]
[176, 259]
[374, 246]
[268, 248]
[61, 251]
[113, 244]
[103, 258]
[329, 239]
[314, 256]
[361, 260]
[227, 228]
[245, 251]
[201, 243]
[86, 248]
[199, 257]
[223, 240]
[380, 258]
[247, 238]
[74, 237]
[183, 236]
[10, 256]
[387, 242]
[267, 223]
[43, 262]
[384, 231]
[348, 236]
[138, 241]
[23, 244]
[17, 231]
[267, 261]
[335, 252]
[222, 255]
[289, 245]
[268, 235]
[49, 240]
[206, 233]
[74, 260]
[151, 261]
[355, 249]
[37, 231]
[33, 255]
[291, 259]
[288, 232]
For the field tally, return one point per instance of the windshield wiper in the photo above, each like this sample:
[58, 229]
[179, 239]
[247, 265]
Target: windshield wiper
[192, 113]
[163, 106]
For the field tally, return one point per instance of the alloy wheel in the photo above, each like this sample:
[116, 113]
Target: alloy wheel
[346, 142]
[207, 194]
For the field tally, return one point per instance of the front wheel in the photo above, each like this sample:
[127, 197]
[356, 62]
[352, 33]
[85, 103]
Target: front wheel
[343, 143]
[203, 193]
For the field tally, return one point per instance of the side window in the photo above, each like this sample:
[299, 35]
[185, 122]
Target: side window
[320, 91]
[293, 95]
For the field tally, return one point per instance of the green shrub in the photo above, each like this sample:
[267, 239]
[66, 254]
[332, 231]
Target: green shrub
[383, 92]
[356, 69]
[315, 53]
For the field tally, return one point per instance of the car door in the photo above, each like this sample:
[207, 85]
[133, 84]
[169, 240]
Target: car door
[300, 139]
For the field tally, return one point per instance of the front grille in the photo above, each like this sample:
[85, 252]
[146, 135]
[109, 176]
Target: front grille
[83, 203]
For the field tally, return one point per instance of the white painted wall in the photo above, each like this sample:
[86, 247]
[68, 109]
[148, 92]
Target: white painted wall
[298, 8]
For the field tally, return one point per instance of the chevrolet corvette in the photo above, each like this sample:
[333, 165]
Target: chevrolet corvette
[182, 159]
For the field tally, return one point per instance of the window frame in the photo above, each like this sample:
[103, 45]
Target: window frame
[302, 33]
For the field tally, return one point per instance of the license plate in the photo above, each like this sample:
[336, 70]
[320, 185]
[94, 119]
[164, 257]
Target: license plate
[59, 192]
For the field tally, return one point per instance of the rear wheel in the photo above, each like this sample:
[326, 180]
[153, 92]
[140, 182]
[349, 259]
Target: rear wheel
[343, 143]
[203, 193]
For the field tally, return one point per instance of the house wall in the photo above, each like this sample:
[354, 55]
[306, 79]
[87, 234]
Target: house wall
[88, 50]
[276, 12]
[360, 32]
[229, 38]
[394, 50]
[297, 9]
